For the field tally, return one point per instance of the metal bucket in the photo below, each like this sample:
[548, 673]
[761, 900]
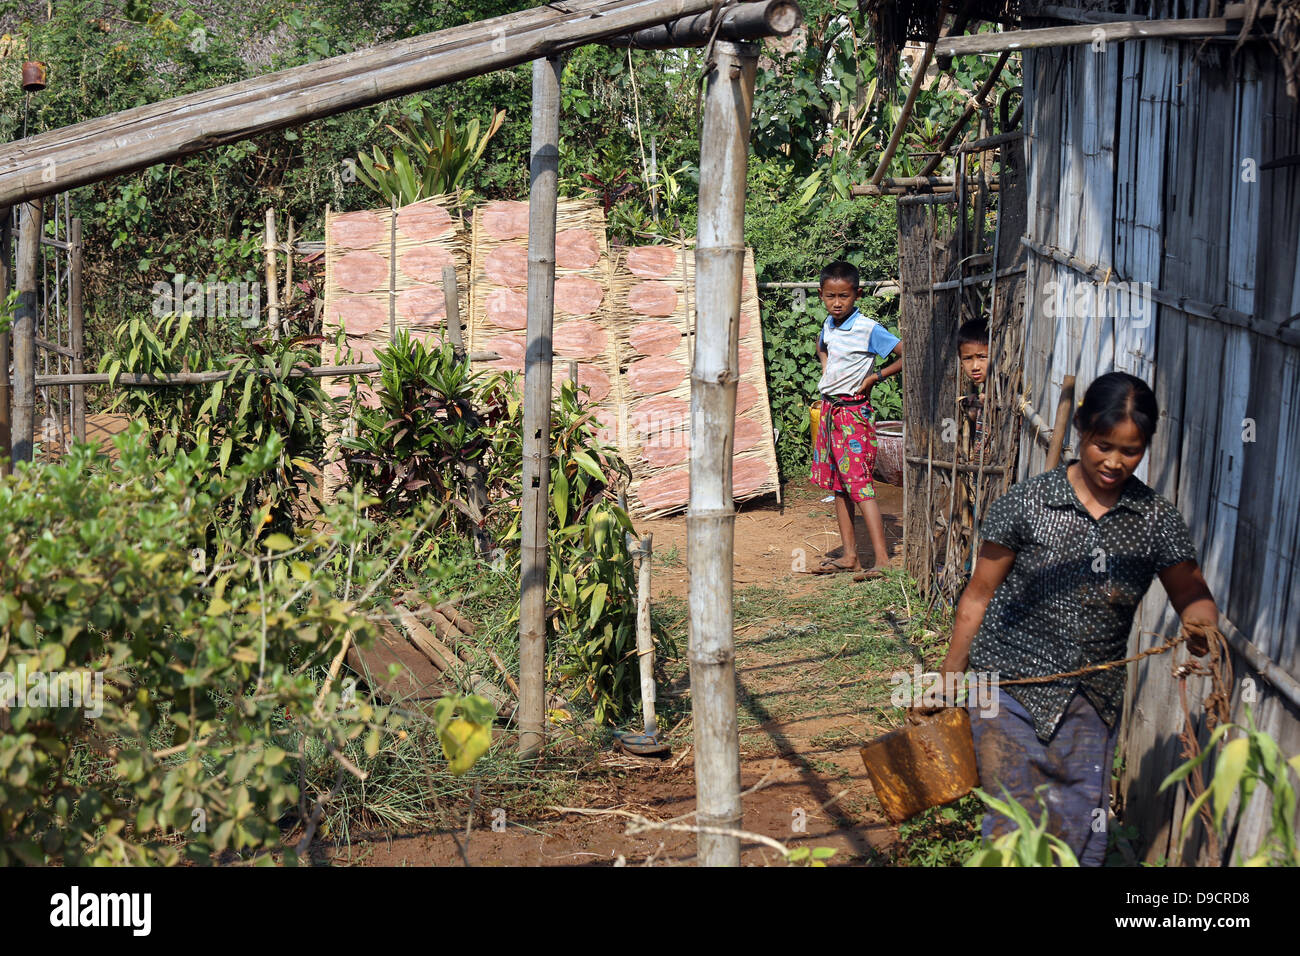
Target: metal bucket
[889, 453]
[923, 765]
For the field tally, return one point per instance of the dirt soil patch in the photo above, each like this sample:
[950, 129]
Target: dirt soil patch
[813, 657]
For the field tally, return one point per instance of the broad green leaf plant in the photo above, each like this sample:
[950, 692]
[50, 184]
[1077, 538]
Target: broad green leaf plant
[439, 159]
[1029, 844]
[1245, 764]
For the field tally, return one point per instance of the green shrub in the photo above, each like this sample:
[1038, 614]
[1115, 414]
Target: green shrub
[209, 660]
[230, 419]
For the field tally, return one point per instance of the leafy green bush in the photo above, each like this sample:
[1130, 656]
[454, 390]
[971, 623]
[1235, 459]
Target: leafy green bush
[425, 440]
[1244, 765]
[1029, 844]
[231, 418]
[205, 663]
[440, 160]
[591, 588]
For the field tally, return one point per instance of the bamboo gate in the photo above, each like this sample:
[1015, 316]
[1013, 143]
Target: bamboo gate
[52, 270]
[59, 160]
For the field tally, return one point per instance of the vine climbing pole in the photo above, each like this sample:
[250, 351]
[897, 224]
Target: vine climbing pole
[544, 167]
[710, 519]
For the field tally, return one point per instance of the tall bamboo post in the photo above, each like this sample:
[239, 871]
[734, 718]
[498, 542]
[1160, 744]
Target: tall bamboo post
[6, 418]
[272, 276]
[77, 324]
[31, 219]
[451, 299]
[917, 80]
[544, 168]
[645, 645]
[710, 519]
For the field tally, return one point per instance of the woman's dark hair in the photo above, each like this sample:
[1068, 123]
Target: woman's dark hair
[1114, 398]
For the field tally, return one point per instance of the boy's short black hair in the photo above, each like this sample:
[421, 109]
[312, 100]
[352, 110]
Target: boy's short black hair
[974, 330]
[841, 270]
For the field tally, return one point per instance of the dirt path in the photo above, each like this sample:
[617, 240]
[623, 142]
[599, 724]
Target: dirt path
[812, 653]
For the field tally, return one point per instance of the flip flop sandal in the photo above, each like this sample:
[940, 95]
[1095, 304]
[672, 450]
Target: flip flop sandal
[830, 567]
[871, 575]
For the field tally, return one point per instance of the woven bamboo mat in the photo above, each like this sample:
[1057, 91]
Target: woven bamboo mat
[384, 272]
[499, 287]
[654, 318]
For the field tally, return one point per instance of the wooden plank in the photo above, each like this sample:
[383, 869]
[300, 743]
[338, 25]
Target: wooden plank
[133, 139]
[1086, 34]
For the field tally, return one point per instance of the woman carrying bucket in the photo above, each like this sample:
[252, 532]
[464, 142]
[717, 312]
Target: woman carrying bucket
[1066, 558]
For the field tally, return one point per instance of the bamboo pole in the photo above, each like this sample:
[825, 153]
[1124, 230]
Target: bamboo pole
[146, 135]
[973, 104]
[544, 167]
[645, 645]
[904, 116]
[77, 322]
[392, 272]
[136, 380]
[451, 299]
[272, 276]
[1063, 407]
[741, 21]
[6, 418]
[31, 218]
[1191, 29]
[710, 519]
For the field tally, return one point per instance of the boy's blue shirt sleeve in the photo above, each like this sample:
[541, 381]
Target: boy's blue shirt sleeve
[882, 340]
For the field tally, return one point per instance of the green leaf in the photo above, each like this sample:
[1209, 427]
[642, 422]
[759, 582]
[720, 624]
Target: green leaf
[277, 542]
[1227, 775]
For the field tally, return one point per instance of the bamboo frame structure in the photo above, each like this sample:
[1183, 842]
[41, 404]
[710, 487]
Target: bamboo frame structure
[133, 139]
[6, 420]
[24, 331]
[710, 520]
[77, 323]
[535, 507]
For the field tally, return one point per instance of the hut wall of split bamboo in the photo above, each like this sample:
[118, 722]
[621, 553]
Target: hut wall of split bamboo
[1164, 243]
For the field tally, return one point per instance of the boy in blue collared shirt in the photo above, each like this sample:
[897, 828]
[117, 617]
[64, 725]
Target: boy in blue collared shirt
[844, 450]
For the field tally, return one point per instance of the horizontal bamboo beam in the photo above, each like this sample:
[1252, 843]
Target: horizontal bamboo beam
[991, 142]
[134, 380]
[119, 143]
[975, 280]
[901, 184]
[960, 466]
[1283, 682]
[945, 198]
[1203, 310]
[1197, 29]
[746, 21]
[882, 284]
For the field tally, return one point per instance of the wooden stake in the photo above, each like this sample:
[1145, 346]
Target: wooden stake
[451, 298]
[917, 80]
[31, 219]
[6, 415]
[710, 520]
[392, 272]
[272, 277]
[535, 516]
[1063, 409]
[77, 321]
[645, 645]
